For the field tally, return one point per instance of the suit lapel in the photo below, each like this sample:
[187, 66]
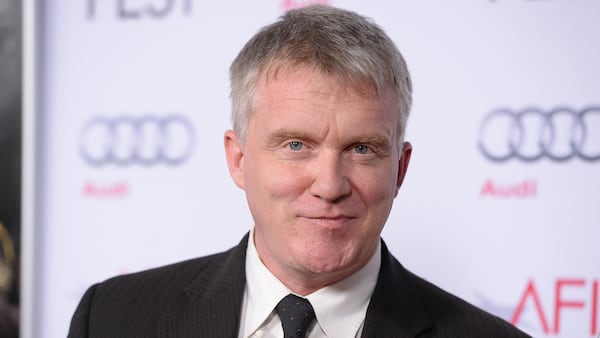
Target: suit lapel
[395, 309]
[215, 299]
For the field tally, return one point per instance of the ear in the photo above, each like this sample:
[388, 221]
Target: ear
[234, 152]
[403, 164]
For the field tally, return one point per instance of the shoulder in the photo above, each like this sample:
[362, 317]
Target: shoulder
[134, 302]
[454, 317]
[158, 282]
[432, 311]
[161, 285]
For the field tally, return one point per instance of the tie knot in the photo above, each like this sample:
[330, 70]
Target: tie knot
[296, 315]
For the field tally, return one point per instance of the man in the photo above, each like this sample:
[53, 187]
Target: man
[320, 104]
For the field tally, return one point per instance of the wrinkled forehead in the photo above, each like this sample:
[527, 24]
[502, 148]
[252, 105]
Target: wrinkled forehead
[274, 86]
[356, 84]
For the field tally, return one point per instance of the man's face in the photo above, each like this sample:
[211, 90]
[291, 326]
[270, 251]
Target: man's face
[320, 166]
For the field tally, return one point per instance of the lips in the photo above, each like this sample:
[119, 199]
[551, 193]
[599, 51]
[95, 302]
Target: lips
[330, 221]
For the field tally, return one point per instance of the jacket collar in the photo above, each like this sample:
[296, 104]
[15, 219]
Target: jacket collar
[215, 299]
[395, 309]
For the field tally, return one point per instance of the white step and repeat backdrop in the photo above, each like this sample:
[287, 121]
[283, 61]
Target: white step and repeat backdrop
[500, 205]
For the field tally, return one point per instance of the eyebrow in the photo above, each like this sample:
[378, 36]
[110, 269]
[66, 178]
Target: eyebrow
[283, 134]
[376, 141]
[373, 139]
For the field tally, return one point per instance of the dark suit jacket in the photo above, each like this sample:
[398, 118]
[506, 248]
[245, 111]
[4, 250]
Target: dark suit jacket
[203, 298]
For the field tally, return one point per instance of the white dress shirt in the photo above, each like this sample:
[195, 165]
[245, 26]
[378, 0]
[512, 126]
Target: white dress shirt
[340, 308]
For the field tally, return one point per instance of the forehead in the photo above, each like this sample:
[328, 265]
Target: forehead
[306, 99]
[294, 74]
[278, 81]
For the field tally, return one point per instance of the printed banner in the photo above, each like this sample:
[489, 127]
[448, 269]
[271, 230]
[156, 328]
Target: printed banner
[499, 205]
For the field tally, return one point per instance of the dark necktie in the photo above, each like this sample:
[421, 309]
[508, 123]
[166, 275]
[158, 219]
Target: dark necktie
[296, 315]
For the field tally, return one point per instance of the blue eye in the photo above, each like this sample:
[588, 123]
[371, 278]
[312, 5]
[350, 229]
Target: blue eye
[361, 149]
[295, 145]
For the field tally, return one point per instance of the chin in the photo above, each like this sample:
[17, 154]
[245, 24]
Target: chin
[328, 263]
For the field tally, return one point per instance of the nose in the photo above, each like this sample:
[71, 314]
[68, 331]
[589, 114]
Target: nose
[330, 181]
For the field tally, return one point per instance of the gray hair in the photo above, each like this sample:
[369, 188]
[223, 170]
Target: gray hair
[331, 40]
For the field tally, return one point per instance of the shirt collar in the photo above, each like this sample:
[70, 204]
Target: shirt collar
[264, 290]
[340, 308]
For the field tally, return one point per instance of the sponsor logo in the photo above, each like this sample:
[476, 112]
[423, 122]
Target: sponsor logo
[531, 134]
[138, 9]
[523, 189]
[136, 140]
[584, 307]
[118, 189]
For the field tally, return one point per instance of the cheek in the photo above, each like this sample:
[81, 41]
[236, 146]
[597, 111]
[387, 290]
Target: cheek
[376, 187]
[277, 182]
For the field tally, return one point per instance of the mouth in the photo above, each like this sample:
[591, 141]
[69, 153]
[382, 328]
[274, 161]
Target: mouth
[332, 222]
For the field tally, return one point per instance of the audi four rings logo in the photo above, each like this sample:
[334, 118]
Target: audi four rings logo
[143, 140]
[533, 134]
